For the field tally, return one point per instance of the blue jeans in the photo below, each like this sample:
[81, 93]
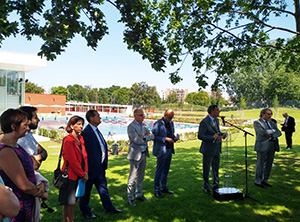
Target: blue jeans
[162, 169]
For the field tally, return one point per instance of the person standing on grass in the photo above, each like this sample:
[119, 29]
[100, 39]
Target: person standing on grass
[211, 136]
[265, 144]
[28, 142]
[35, 150]
[75, 159]
[96, 149]
[163, 148]
[289, 128]
[139, 135]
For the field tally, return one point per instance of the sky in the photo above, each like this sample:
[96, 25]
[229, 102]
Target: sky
[111, 64]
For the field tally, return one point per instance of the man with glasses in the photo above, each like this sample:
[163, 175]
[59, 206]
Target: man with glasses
[266, 134]
[210, 134]
[139, 135]
[163, 148]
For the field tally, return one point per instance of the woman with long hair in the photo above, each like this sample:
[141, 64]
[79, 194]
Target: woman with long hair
[75, 158]
[16, 166]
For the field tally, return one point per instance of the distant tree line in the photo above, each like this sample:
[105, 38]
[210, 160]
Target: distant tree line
[138, 94]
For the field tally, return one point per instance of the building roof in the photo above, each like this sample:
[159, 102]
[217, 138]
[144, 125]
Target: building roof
[21, 61]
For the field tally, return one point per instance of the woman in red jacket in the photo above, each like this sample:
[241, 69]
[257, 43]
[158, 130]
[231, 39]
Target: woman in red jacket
[75, 155]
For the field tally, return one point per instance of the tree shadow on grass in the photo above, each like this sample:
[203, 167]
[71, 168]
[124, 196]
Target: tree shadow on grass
[190, 203]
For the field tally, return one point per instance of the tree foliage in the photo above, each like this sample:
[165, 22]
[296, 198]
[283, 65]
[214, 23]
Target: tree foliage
[59, 90]
[142, 94]
[263, 77]
[33, 88]
[138, 94]
[172, 98]
[215, 34]
[198, 98]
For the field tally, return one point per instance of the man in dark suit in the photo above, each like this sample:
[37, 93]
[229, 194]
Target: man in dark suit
[265, 144]
[139, 135]
[163, 148]
[96, 149]
[211, 136]
[288, 127]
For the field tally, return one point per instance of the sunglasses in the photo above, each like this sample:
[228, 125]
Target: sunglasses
[44, 205]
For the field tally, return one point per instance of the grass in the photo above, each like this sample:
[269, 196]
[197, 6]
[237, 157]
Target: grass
[189, 203]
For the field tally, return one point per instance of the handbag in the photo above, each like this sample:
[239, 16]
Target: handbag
[60, 178]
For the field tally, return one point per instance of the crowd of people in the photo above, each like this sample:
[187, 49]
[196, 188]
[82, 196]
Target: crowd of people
[85, 155]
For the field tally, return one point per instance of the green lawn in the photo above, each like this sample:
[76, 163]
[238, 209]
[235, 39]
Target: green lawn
[189, 203]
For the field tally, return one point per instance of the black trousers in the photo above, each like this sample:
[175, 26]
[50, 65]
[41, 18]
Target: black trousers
[288, 138]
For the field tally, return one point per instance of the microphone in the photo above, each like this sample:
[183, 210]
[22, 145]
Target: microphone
[223, 120]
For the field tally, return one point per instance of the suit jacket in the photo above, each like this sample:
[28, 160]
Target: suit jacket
[94, 152]
[291, 125]
[72, 154]
[263, 134]
[135, 142]
[160, 133]
[206, 133]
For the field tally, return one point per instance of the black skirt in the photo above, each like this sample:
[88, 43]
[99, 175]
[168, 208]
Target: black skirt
[67, 196]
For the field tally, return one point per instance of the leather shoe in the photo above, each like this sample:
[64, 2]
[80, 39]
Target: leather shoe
[90, 215]
[207, 191]
[259, 185]
[158, 194]
[167, 191]
[114, 211]
[142, 198]
[215, 188]
[266, 184]
[132, 203]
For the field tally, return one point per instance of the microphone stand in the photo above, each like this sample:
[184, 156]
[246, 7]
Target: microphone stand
[247, 194]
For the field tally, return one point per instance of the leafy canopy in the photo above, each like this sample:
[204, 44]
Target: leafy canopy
[214, 33]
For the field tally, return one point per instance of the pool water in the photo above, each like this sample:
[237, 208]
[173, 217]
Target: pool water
[118, 126]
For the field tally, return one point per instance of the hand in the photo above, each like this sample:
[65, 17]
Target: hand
[41, 192]
[170, 140]
[45, 196]
[148, 133]
[85, 178]
[41, 186]
[142, 137]
[285, 125]
[217, 137]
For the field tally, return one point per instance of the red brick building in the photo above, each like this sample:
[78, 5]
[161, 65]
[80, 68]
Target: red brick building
[47, 103]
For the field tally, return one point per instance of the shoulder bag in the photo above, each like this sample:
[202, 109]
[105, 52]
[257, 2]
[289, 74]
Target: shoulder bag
[60, 178]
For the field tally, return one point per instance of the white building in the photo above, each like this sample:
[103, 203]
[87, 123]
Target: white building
[13, 67]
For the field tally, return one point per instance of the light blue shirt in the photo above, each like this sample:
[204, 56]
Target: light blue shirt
[143, 147]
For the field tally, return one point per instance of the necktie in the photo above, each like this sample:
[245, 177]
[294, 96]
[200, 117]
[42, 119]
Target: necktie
[269, 126]
[102, 145]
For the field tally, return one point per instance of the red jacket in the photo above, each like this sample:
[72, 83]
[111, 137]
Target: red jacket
[71, 153]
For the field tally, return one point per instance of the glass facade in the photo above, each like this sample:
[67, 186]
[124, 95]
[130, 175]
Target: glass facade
[12, 89]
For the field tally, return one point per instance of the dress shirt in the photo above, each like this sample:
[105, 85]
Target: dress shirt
[100, 139]
[143, 147]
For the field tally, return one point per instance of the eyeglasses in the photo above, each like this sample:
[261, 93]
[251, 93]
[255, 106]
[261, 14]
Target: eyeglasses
[44, 205]
[270, 114]
[140, 114]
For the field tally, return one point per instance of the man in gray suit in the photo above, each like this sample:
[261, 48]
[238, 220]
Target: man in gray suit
[266, 134]
[139, 135]
[211, 136]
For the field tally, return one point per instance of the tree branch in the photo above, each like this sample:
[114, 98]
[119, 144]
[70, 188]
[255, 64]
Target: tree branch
[243, 40]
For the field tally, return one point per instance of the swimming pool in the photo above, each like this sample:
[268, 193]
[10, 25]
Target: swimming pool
[110, 125]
